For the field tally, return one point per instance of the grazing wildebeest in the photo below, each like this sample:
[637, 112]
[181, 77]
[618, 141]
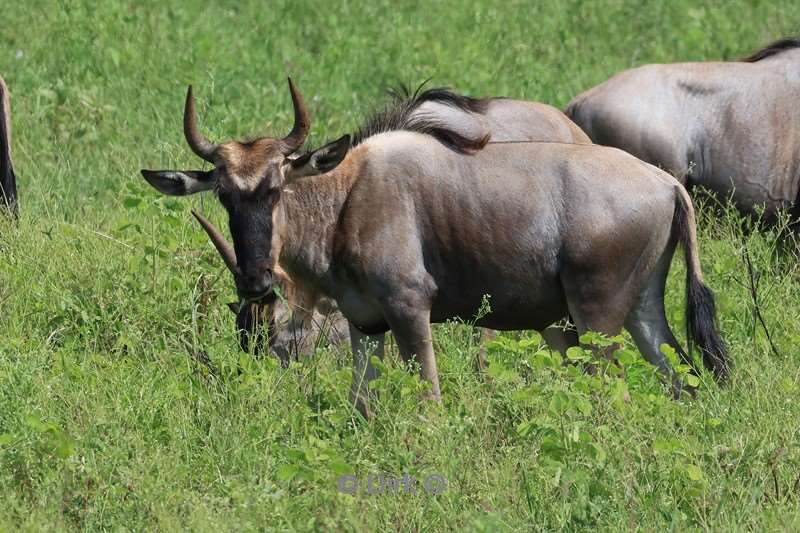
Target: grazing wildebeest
[731, 127]
[8, 181]
[416, 226]
[294, 320]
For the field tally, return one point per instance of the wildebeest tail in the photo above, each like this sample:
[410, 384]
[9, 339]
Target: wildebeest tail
[701, 314]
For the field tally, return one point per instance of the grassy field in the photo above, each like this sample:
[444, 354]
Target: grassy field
[108, 420]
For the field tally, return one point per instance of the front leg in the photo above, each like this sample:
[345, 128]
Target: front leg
[414, 340]
[364, 347]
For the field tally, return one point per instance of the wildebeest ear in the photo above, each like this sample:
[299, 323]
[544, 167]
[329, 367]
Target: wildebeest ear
[321, 160]
[234, 307]
[180, 182]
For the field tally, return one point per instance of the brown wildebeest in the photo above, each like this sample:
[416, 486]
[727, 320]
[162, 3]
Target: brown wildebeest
[295, 319]
[417, 226]
[8, 180]
[731, 127]
[504, 119]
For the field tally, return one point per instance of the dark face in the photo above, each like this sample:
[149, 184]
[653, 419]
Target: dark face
[252, 229]
[252, 202]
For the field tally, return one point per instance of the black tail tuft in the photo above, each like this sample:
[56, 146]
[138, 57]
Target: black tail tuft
[701, 312]
[702, 325]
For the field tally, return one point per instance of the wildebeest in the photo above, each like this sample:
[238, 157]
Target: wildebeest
[296, 318]
[417, 226]
[8, 180]
[504, 119]
[731, 127]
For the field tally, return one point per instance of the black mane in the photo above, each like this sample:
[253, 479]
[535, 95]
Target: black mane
[772, 49]
[398, 116]
[443, 95]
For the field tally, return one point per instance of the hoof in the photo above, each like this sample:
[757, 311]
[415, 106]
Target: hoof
[678, 389]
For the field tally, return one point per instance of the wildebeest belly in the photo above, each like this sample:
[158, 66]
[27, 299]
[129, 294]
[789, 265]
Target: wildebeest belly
[361, 310]
[502, 303]
[516, 272]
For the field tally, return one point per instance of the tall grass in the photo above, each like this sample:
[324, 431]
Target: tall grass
[109, 294]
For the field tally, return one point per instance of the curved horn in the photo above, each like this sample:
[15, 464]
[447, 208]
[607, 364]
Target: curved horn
[199, 144]
[302, 123]
[223, 247]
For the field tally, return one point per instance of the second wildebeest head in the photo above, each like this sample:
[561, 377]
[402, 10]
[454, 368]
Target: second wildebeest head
[290, 322]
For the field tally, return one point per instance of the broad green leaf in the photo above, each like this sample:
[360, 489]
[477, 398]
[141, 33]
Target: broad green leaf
[576, 353]
[287, 472]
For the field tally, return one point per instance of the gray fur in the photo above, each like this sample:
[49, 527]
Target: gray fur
[730, 127]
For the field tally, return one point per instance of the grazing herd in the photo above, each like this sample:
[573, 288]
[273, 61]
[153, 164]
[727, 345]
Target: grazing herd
[440, 201]
[411, 222]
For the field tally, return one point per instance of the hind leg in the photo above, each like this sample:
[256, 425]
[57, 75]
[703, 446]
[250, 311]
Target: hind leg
[647, 324]
[599, 311]
[609, 324]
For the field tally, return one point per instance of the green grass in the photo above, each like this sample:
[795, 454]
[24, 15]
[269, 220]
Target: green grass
[106, 288]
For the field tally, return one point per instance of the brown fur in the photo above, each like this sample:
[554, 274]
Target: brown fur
[408, 231]
[245, 163]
